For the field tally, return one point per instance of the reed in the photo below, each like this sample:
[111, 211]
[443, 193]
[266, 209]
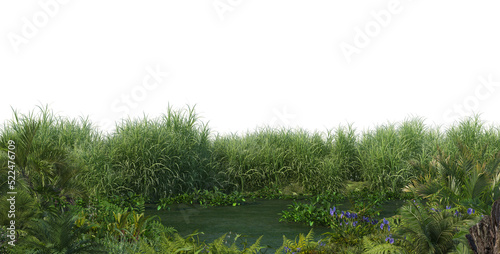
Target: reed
[174, 154]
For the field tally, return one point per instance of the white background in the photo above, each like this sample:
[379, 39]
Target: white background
[249, 63]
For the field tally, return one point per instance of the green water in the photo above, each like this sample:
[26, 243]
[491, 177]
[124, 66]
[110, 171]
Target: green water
[252, 220]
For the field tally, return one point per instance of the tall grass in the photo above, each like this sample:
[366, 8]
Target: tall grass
[46, 153]
[157, 158]
[173, 154]
[471, 133]
[276, 157]
[386, 153]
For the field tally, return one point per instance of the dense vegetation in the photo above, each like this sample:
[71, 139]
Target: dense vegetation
[81, 191]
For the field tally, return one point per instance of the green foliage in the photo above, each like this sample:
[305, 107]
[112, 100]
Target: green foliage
[171, 244]
[108, 219]
[270, 157]
[156, 158]
[58, 234]
[204, 198]
[379, 247]
[431, 230]
[304, 244]
[26, 209]
[129, 200]
[314, 213]
[222, 246]
[175, 159]
[461, 179]
[385, 153]
[344, 155]
[46, 154]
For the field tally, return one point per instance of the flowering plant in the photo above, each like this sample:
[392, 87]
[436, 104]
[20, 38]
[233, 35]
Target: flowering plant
[349, 228]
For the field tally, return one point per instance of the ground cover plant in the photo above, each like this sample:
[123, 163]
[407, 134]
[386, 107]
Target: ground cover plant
[89, 189]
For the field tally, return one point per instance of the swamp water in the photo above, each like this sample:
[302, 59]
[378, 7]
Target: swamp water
[251, 220]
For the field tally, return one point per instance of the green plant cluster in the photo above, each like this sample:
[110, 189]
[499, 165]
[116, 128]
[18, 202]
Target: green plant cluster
[204, 198]
[81, 190]
[362, 201]
[314, 212]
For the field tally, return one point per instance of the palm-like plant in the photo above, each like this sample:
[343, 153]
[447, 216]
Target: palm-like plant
[45, 157]
[431, 231]
[58, 234]
[460, 180]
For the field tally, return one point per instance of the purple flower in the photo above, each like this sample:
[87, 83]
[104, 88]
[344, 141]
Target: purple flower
[470, 211]
[382, 226]
[390, 239]
[385, 222]
[448, 207]
[348, 215]
[374, 222]
[332, 211]
[388, 228]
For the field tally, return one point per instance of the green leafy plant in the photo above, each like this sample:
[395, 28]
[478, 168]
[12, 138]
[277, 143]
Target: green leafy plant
[460, 180]
[58, 234]
[349, 228]
[427, 229]
[302, 244]
[313, 213]
[204, 198]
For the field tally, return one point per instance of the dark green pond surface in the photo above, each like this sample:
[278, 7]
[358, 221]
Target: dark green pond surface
[252, 220]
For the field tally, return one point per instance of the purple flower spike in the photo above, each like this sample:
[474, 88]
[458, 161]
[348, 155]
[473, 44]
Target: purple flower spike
[382, 226]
